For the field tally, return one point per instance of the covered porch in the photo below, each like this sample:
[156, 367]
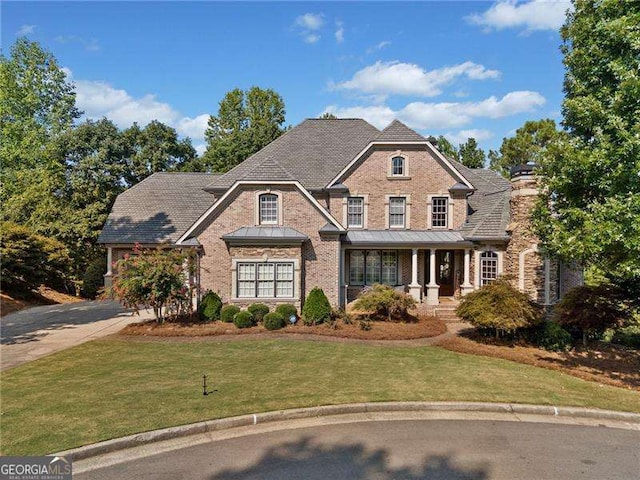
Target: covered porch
[431, 266]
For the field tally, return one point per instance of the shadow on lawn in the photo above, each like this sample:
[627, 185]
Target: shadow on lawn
[309, 460]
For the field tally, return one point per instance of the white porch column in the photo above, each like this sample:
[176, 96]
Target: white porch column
[414, 287]
[466, 286]
[108, 277]
[433, 288]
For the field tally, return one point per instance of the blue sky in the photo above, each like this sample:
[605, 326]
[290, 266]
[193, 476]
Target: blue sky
[454, 68]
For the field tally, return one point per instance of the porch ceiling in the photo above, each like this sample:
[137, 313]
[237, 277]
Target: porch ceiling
[406, 238]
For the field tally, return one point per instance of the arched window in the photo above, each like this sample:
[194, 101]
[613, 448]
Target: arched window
[488, 267]
[398, 167]
[268, 205]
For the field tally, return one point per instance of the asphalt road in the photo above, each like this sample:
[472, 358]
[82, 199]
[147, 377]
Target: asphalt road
[402, 450]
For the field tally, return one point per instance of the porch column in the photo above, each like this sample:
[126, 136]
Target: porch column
[433, 288]
[466, 286]
[343, 284]
[414, 288]
[108, 277]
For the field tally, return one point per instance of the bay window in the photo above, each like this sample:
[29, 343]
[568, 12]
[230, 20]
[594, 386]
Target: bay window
[265, 279]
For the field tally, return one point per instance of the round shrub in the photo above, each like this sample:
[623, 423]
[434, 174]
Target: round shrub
[210, 306]
[228, 312]
[273, 321]
[258, 310]
[286, 310]
[552, 337]
[317, 308]
[243, 319]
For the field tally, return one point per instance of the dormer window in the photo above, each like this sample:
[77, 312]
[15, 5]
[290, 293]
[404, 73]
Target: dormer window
[398, 167]
[268, 205]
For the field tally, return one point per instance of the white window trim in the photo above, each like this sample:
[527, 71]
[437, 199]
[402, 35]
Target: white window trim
[365, 212]
[279, 206]
[265, 259]
[476, 263]
[407, 211]
[449, 225]
[406, 175]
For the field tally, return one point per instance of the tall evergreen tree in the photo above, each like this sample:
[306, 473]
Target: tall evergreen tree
[471, 155]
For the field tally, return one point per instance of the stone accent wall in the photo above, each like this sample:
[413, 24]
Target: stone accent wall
[319, 256]
[426, 177]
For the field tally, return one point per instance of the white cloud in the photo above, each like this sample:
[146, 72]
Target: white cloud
[463, 135]
[99, 99]
[530, 16]
[310, 21]
[379, 46]
[339, 32]
[26, 30]
[90, 45]
[311, 38]
[385, 78]
[421, 115]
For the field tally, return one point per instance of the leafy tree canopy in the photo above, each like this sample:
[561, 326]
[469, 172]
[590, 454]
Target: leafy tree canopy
[447, 148]
[246, 122]
[591, 179]
[470, 154]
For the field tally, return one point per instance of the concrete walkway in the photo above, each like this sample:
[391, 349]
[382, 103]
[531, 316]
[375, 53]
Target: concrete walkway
[35, 332]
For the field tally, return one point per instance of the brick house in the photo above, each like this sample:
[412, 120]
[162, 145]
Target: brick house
[338, 204]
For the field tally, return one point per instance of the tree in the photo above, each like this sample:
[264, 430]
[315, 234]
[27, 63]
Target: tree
[246, 122]
[328, 116]
[590, 210]
[447, 148]
[528, 145]
[471, 155]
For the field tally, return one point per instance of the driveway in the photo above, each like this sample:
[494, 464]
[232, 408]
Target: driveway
[39, 331]
[399, 449]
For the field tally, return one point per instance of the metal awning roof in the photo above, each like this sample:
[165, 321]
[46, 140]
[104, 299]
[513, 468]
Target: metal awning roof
[404, 238]
[263, 234]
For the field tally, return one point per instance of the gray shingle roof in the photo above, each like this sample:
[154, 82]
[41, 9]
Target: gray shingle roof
[265, 234]
[159, 209]
[313, 153]
[402, 237]
[397, 131]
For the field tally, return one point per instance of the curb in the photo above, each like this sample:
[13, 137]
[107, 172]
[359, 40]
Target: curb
[144, 438]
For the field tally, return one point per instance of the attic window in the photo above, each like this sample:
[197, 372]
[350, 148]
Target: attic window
[398, 167]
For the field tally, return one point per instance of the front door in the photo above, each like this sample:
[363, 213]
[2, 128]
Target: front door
[444, 272]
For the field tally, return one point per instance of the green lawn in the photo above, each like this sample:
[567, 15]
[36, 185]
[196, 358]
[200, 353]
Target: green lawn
[110, 388]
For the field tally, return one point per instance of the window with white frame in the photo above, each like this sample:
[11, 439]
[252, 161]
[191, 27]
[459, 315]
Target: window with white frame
[355, 212]
[488, 267]
[367, 267]
[268, 204]
[265, 280]
[397, 212]
[439, 211]
[398, 167]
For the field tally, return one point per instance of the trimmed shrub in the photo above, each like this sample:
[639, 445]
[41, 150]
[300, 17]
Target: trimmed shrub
[627, 336]
[500, 307]
[243, 319]
[258, 310]
[317, 308]
[552, 337]
[273, 321]
[228, 312]
[384, 301]
[286, 310]
[591, 310]
[210, 306]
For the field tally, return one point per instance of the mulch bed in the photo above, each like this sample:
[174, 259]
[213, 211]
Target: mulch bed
[602, 363]
[12, 302]
[423, 327]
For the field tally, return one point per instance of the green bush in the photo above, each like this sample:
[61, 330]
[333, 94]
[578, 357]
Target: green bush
[500, 307]
[592, 309]
[627, 336]
[383, 300]
[273, 321]
[258, 310]
[317, 308]
[243, 319]
[286, 310]
[93, 278]
[552, 337]
[210, 306]
[228, 312]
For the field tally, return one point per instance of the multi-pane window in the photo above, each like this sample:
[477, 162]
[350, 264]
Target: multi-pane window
[367, 267]
[355, 212]
[265, 280]
[488, 267]
[397, 210]
[268, 209]
[397, 167]
[439, 211]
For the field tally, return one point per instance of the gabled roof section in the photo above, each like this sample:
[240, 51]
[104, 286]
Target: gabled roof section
[397, 131]
[311, 153]
[159, 209]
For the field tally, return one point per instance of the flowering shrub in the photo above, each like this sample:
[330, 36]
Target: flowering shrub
[156, 279]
